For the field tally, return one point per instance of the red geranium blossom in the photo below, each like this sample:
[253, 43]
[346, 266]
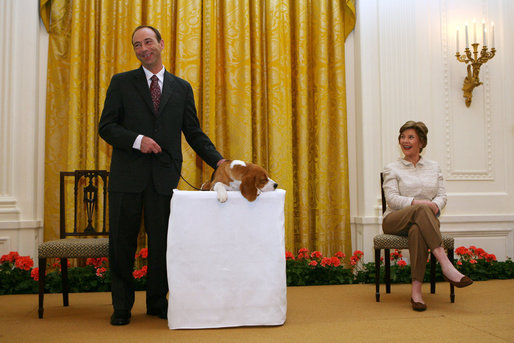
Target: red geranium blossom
[353, 260]
[340, 254]
[24, 262]
[472, 261]
[143, 253]
[57, 263]
[96, 262]
[100, 271]
[334, 261]
[11, 257]
[402, 263]
[358, 253]
[35, 274]
[313, 263]
[480, 252]
[397, 254]
[462, 251]
[490, 257]
[138, 274]
[325, 261]
[289, 255]
[316, 254]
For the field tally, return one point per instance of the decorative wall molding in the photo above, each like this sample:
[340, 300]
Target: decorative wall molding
[503, 233]
[481, 96]
[20, 225]
[468, 219]
[8, 209]
[5, 245]
[6, 105]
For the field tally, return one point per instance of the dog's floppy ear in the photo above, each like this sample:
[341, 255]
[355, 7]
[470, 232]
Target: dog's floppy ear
[247, 187]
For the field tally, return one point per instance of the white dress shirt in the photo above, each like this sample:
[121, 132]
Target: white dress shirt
[404, 182]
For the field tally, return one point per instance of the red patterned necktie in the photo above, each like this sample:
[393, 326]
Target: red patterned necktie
[155, 91]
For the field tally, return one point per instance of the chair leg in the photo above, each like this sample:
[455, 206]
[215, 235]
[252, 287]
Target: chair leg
[452, 288]
[432, 273]
[377, 274]
[387, 260]
[41, 283]
[64, 275]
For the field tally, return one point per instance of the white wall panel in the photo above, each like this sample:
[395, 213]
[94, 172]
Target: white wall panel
[7, 202]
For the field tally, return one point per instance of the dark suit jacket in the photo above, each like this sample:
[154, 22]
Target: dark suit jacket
[128, 112]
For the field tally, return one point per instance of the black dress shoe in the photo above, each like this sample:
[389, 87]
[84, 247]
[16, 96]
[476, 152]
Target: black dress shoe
[163, 314]
[120, 318]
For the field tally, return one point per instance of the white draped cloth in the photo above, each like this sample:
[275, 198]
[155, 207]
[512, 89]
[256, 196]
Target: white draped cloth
[226, 261]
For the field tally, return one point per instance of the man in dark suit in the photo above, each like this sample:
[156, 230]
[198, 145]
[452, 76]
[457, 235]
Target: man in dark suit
[144, 113]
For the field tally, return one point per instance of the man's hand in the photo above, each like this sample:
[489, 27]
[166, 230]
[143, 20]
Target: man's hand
[148, 145]
[430, 204]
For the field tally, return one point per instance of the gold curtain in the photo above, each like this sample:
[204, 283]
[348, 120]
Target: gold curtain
[269, 84]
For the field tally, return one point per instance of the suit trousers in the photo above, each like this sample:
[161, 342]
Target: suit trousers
[420, 224]
[125, 212]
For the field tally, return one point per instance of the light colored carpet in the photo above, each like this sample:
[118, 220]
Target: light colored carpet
[483, 312]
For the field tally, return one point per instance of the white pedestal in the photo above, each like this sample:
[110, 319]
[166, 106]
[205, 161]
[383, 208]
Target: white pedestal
[226, 261]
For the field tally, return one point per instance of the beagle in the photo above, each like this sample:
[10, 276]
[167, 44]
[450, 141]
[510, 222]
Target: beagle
[236, 175]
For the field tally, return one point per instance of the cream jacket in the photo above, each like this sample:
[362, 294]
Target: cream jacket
[404, 182]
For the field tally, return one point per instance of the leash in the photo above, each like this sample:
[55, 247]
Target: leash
[179, 173]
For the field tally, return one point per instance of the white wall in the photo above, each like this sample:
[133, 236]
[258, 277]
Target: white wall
[401, 65]
[23, 53]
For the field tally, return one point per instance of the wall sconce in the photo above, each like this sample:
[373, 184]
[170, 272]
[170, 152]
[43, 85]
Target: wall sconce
[474, 62]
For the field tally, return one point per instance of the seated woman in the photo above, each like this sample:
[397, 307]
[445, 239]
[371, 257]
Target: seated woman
[415, 196]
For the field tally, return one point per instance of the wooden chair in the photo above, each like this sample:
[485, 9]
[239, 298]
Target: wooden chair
[388, 242]
[90, 195]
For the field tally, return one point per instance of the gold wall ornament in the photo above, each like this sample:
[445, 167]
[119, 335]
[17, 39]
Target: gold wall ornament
[474, 62]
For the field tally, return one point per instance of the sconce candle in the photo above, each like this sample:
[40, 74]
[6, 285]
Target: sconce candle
[458, 39]
[474, 31]
[467, 41]
[484, 39]
[492, 33]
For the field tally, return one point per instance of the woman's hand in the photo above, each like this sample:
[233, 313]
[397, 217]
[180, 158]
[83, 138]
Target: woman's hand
[430, 204]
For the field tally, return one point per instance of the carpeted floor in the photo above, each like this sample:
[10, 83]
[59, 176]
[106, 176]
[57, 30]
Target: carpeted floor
[483, 312]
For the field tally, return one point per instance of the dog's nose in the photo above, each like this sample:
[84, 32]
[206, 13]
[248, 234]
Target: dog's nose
[275, 185]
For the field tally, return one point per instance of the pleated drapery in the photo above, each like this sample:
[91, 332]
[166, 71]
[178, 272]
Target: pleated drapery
[269, 83]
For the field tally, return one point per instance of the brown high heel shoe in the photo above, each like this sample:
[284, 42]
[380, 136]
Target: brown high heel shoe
[464, 281]
[418, 306]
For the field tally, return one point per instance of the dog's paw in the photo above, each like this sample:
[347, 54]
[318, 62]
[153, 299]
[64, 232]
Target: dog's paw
[221, 191]
[222, 197]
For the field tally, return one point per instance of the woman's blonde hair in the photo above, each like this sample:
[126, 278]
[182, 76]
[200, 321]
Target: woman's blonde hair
[421, 130]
